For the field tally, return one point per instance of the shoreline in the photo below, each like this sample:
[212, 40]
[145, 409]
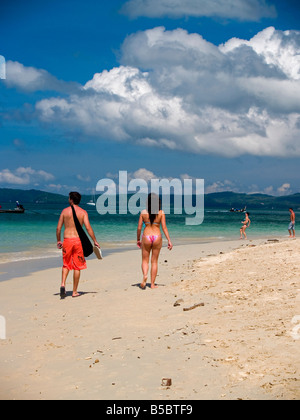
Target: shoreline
[25, 264]
[117, 342]
[20, 268]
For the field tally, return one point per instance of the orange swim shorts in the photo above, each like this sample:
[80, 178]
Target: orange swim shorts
[73, 258]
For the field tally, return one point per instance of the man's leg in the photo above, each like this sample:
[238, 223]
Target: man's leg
[64, 276]
[76, 278]
[67, 258]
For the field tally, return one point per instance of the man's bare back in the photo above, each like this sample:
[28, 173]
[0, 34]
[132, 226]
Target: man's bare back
[68, 221]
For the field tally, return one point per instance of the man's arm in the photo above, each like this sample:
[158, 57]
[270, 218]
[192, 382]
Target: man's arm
[58, 230]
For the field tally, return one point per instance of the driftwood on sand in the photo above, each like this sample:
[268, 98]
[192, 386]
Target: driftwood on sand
[193, 307]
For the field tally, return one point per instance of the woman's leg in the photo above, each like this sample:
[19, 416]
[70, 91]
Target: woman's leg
[156, 247]
[146, 249]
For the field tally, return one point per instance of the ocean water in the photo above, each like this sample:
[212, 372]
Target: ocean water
[32, 235]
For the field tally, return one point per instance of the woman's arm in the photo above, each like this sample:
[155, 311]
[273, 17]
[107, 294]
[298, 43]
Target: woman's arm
[139, 231]
[165, 230]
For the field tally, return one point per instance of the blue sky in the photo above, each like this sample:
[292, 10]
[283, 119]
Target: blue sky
[161, 88]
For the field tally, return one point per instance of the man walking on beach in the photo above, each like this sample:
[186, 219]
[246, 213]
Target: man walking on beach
[73, 257]
[292, 223]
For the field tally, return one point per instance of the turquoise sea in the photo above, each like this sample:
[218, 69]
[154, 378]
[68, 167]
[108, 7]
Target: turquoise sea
[32, 235]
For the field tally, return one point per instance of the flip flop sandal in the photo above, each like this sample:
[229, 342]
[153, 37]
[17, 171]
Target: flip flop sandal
[97, 252]
[62, 292]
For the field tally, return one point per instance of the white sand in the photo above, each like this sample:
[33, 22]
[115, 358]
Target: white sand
[117, 341]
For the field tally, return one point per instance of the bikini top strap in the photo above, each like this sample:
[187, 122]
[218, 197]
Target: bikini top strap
[154, 223]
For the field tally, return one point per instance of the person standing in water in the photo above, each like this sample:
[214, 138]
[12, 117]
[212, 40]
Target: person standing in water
[292, 223]
[151, 242]
[246, 223]
[73, 257]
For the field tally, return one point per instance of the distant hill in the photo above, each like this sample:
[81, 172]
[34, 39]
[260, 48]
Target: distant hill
[252, 201]
[221, 200]
[9, 195]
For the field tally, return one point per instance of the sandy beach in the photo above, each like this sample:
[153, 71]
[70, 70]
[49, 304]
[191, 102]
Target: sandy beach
[117, 342]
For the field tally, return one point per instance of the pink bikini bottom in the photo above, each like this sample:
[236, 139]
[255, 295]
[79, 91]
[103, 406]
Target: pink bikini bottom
[152, 238]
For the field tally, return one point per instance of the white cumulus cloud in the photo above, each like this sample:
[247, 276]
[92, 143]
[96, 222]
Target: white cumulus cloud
[278, 49]
[144, 174]
[31, 79]
[176, 90]
[24, 176]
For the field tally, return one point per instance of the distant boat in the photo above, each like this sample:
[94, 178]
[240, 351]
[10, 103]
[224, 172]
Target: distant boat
[19, 209]
[92, 202]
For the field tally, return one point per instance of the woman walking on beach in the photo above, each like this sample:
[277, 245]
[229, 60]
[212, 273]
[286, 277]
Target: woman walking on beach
[246, 224]
[152, 218]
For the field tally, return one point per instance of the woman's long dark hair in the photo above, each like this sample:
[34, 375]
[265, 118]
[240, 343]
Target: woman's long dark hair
[153, 206]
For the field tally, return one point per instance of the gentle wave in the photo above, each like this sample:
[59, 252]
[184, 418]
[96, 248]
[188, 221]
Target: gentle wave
[26, 256]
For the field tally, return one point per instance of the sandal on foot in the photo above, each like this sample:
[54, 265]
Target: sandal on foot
[62, 292]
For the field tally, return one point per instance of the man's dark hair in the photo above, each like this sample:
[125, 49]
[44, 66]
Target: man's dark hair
[75, 197]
